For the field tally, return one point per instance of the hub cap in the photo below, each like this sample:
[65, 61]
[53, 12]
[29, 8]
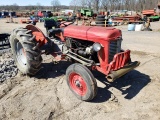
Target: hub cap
[21, 54]
[78, 84]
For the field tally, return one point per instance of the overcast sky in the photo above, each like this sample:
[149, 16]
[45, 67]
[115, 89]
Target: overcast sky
[32, 2]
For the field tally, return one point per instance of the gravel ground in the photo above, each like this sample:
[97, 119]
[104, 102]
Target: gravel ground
[46, 96]
[8, 68]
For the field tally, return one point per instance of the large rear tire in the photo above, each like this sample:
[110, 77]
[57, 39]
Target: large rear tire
[26, 54]
[81, 82]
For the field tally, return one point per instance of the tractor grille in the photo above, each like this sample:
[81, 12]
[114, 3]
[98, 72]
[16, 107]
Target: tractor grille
[114, 48]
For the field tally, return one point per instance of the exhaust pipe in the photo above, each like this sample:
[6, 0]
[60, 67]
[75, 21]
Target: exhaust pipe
[118, 73]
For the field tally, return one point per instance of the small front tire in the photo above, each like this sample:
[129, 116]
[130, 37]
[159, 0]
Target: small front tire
[81, 82]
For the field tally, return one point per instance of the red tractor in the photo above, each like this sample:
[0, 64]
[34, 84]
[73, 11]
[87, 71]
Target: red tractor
[88, 47]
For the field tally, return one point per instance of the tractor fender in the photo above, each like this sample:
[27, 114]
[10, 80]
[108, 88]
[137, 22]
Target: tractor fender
[38, 34]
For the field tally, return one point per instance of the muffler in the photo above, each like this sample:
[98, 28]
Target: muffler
[118, 73]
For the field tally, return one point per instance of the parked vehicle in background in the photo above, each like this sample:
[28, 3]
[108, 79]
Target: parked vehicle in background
[13, 14]
[42, 14]
[154, 18]
[127, 19]
[67, 12]
[4, 41]
[154, 15]
[86, 12]
[5, 14]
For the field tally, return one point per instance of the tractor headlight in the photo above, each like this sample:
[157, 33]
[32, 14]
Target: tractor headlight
[97, 47]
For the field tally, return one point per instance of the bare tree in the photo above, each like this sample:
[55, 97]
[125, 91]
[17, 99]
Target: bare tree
[105, 4]
[55, 4]
[89, 3]
[13, 7]
[83, 3]
[39, 6]
[74, 4]
[96, 4]
[133, 5]
[137, 5]
[113, 4]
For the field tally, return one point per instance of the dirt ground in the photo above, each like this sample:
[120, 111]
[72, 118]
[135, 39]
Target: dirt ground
[46, 96]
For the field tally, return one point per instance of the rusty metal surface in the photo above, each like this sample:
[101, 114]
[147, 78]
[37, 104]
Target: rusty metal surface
[39, 36]
[148, 12]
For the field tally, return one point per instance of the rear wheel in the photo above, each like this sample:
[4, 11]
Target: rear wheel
[26, 54]
[81, 82]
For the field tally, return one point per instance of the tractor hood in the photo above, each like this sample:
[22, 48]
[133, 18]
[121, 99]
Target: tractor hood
[92, 33]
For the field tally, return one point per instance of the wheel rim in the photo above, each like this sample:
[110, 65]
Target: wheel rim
[21, 54]
[77, 84]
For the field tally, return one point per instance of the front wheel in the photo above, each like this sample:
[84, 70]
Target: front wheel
[81, 82]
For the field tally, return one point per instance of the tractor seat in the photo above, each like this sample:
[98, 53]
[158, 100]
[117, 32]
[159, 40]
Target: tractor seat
[49, 24]
[52, 32]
